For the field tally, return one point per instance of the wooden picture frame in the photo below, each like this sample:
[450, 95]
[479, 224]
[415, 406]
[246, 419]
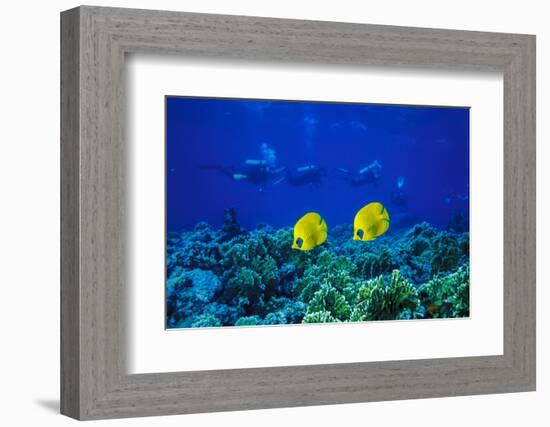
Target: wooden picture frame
[94, 381]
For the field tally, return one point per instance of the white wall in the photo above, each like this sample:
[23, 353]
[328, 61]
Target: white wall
[29, 226]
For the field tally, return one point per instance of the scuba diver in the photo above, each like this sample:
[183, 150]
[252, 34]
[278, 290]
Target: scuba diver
[367, 175]
[305, 175]
[258, 172]
[399, 196]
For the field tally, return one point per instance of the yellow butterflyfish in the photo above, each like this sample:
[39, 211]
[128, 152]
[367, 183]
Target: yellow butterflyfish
[370, 222]
[309, 231]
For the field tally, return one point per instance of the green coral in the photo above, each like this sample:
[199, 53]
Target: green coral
[319, 317]
[378, 301]
[374, 264]
[328, 299]
[240, 254]
[279, 244]
[449, 294]
[252, 270]
[446, 253]
[268, 271]
[330, 270]
[246, 286]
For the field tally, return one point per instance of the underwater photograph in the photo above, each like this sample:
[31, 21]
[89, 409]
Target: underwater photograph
[300, 212]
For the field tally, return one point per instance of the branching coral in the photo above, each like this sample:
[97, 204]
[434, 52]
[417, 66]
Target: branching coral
[329, 270]
[414, 252]
[328, 299]
[446, 253]
[251, 274]
[374, 264]
[245, 288]
[449, 295]
[319, 317]
[231, 276]
[278, 244]
[377, 301]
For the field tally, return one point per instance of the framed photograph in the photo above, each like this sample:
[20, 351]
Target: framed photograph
[302, 233]
[262, 213]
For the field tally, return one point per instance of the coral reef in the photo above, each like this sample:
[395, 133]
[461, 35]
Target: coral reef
[448, 295]
[249, 321]
[319, 317]
[235, 277]
[377, 301]
[329, 300]
[206, 321]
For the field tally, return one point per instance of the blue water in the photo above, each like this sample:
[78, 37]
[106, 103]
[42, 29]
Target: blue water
[427, 146]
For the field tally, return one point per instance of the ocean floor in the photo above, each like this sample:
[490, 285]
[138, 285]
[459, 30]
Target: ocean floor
[235, 277]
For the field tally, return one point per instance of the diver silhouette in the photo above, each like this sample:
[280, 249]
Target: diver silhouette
[258, 172]
[399, 196]
[367, 175]
[305, 175]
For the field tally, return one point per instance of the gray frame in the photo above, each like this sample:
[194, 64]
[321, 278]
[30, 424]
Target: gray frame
[94, 382]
